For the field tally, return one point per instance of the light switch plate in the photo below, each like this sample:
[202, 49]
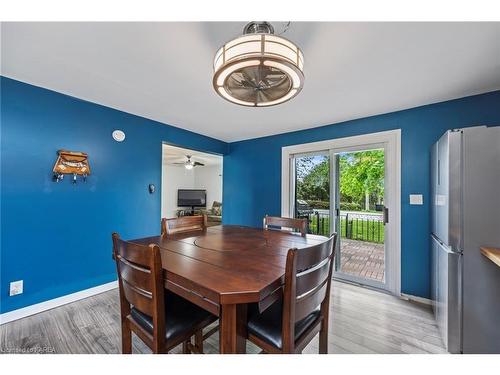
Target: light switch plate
[16, 287]
[416, 199]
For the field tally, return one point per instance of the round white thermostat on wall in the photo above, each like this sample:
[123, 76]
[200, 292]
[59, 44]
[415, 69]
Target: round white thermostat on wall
[118, 135]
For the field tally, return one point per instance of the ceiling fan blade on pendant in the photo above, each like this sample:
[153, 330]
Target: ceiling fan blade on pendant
[242, 93]
[275, 79]
[180, 163]
[263, 96]
[277, 92]
[238, 80]
[251, 75]
[198, 163]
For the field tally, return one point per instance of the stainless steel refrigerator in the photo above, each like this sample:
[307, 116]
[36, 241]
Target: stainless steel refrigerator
[465, 290]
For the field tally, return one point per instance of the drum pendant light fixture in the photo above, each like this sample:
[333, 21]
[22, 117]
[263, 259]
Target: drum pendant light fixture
[258, 69]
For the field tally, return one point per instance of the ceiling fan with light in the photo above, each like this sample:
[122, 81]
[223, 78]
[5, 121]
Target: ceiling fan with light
[189, 164]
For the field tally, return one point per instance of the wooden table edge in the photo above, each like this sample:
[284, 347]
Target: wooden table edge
[492, 253]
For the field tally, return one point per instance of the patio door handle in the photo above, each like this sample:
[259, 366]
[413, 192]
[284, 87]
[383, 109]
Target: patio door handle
[386, 215]
[337, 212]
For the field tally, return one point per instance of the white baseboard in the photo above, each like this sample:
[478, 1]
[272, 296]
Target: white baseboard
[56, 302]
[410, 297]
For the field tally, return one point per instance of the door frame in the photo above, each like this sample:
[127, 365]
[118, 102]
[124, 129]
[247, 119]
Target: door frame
[188, 149]
[392, 139]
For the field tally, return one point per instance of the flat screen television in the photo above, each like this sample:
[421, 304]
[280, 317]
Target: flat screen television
[191, 198]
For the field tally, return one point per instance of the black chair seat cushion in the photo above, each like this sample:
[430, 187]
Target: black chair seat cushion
[180, 316]
[268, 325]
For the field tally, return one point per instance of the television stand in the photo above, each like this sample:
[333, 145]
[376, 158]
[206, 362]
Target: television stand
[188, 212]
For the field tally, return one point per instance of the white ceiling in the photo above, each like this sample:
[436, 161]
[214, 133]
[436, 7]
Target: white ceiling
[172, 154]
[163, 71]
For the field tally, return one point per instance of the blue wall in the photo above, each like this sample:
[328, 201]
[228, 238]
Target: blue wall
[57, 236]
[252, 171]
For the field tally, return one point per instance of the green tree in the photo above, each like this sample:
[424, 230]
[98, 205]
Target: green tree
[362, 176]
[316, 184]
[313, 181]
[303, 166]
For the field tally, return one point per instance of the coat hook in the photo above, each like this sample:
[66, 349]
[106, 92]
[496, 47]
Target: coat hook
[57, 177]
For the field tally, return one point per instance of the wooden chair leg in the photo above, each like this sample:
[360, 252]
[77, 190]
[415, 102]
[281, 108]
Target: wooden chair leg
[126, 339]
[198, 341]
[185, 347]
[323, 337]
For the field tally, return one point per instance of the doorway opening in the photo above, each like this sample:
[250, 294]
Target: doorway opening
[191, 184]
[350, 186]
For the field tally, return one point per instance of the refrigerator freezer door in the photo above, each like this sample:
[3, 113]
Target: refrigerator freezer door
[434, 184]
[446, 294]
[446, 189]
[440, 201]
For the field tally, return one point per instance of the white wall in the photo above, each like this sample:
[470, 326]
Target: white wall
[178, 177]
[173, 178]
[210, 179]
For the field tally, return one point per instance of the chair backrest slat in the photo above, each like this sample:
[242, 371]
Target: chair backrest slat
[138, 298]
[310, 257]
[308, 279]
[279, 223]
[138, 254]
[136, 276]
[183, 224]
[310, 301]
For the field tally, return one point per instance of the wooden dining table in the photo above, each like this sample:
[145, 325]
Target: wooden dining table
[224, 268]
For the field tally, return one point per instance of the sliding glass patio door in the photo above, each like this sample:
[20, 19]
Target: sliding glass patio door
[360, 215]
[344, 190]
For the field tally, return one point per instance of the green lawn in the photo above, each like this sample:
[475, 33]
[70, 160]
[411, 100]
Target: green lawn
[363, 230]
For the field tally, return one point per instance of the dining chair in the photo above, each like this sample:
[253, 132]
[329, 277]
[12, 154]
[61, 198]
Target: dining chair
[272, 222]
[302, 309]
[183, 224]
[160, 318]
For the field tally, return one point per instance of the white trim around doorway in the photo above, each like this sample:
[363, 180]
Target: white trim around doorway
[393, 140]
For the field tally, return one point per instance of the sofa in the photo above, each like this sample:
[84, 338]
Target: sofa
[214, 214]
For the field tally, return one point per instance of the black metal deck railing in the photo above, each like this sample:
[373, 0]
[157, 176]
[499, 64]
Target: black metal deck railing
[355, 226]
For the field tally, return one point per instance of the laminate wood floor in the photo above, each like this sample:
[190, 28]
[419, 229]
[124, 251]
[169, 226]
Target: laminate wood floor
[362, 321]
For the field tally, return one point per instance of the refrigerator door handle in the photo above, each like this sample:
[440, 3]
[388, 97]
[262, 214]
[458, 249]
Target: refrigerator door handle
[439, 172]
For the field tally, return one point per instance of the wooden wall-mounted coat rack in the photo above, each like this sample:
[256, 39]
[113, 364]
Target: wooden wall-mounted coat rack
[71, 162]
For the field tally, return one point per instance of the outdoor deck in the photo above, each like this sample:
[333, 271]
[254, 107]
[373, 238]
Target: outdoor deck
[363, 259]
